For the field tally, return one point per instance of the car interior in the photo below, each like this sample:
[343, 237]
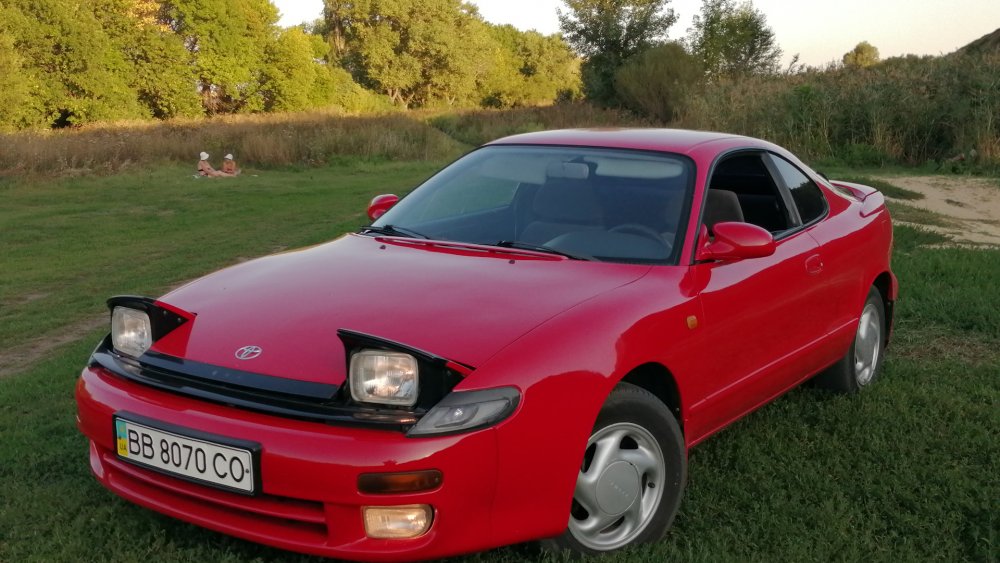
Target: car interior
[743, 190]
[603, 208]
[607, 207]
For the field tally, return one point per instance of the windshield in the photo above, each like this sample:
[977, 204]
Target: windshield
[601, 204]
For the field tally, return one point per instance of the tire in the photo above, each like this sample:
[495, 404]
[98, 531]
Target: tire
[863, 361]
[632, 478]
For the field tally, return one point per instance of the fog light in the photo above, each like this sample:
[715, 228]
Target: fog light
[398, 522]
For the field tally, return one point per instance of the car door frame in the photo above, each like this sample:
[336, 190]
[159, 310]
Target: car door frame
[723, 401]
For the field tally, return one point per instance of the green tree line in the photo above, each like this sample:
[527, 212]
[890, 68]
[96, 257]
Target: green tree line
[71, 62]
[725, 75]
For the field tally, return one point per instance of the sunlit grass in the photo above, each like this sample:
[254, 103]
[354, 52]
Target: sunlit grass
[68, 244]
[904, 472]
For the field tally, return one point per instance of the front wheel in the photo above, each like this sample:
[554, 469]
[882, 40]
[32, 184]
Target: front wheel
[631, 480]
[863, 361]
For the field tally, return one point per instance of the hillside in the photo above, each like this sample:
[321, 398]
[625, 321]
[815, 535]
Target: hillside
[989, 43]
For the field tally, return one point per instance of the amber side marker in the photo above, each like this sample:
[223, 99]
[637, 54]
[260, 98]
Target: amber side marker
[390, 483]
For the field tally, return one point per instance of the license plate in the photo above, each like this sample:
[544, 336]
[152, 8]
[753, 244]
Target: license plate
[205, 461]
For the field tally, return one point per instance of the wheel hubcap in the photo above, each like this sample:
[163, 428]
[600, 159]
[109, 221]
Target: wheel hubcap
[619, 487]
[867, 345]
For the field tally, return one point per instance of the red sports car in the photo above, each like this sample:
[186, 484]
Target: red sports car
[523, 348]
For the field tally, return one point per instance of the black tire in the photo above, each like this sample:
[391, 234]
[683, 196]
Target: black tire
[640, 449]
[862, 363]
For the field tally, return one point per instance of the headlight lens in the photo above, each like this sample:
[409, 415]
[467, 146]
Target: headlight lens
[467, 410]
[389, 378]
[131, 333]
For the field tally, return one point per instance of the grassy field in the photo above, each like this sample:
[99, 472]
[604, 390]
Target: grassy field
[906, 471]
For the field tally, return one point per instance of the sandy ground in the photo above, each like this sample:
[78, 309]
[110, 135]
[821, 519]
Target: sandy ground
[971, 205]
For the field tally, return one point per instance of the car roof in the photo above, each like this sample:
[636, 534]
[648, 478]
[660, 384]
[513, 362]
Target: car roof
[668, 140]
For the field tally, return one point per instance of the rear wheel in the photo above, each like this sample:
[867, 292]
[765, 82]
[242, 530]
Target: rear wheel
[863, 361]
[631, 480]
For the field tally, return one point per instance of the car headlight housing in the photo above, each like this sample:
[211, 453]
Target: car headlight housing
[462, 411]
[131, 331]
[384, 377]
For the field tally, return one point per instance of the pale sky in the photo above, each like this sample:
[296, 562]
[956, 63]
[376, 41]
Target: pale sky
[820, 31]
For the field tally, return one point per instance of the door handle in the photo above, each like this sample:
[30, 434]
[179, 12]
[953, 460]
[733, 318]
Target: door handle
[814, 264]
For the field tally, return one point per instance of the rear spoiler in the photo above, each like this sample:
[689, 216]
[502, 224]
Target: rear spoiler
[871, 199]
[859, 191]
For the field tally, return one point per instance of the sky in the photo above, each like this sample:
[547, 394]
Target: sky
[820, 31]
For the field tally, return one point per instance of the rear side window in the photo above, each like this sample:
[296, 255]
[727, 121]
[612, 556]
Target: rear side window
[807, 196]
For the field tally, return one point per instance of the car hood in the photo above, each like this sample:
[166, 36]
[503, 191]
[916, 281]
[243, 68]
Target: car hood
[459, 302]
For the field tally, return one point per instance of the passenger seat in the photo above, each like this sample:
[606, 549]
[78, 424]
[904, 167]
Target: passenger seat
[722, 206]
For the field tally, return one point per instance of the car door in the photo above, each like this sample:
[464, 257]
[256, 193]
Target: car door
[761, 314]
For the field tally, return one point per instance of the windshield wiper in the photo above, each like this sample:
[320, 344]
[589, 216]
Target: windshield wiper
[393, 231]
[539, 248]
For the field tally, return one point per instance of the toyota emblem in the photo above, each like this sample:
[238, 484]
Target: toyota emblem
[248, 352]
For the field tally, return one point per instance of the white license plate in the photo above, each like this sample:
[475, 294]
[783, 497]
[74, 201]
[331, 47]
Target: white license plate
[187, 457]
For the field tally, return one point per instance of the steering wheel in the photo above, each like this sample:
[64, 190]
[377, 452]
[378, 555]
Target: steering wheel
[640, 230]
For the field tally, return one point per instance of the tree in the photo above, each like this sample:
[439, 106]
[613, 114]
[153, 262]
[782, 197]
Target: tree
[863, 55]
[15, 86]
[733, 39]
[77, 74]
[415, 51]
[607, 32]
[659, 81]
[528, 68]
[290, 72]
[161, 68]
[229, 41]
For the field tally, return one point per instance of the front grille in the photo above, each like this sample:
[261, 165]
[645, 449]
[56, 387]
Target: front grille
[267, 394]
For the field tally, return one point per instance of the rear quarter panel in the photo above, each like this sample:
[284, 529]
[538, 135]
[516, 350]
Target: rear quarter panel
[856, 244]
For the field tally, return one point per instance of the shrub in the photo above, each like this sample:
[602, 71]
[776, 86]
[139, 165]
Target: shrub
[906, 109]
[658, 82]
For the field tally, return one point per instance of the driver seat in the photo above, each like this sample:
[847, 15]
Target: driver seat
[563, 205]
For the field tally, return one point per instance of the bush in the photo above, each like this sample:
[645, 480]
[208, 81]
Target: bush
[478, 127]
[908, 110]
[659, 82]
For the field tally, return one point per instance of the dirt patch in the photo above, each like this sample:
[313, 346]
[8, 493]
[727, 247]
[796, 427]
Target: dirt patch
[971, 205]
[933, 344]
[24, 356]
[21, 358]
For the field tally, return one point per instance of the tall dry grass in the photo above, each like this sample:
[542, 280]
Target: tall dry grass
[310, 138]
[906, 110]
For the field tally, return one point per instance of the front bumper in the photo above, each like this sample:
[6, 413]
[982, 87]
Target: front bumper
[309, 500]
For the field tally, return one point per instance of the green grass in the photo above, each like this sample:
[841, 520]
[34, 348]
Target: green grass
[906, 471]
[70, 243]
[902, 212]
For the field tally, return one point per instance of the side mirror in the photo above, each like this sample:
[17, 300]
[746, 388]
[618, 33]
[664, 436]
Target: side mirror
[736, 241]
[380, 204]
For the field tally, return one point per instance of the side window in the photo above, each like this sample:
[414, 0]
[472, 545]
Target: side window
[807, 196]
[753, 195]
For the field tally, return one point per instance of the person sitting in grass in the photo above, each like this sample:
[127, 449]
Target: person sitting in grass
[205, 169]
[229, 167]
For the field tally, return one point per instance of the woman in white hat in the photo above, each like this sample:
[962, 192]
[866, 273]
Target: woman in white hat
[229, 167]
[205, 169]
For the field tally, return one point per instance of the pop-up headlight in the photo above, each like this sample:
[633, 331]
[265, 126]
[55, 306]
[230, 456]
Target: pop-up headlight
[388, 378]
[131, 332]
